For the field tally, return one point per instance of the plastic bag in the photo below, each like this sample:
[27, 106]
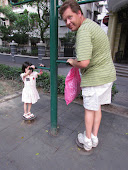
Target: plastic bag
[72, 85]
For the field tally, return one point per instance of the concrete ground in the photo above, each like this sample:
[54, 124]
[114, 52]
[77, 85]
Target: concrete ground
[29, 146]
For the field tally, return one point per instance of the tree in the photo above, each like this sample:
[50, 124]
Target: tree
[41, 17]
[6, 33]
[11, 16]
[22, 23]
[69, 38]
[7, 11]
[18, 25]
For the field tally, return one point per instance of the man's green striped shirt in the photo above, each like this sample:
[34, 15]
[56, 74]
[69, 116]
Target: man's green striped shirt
[92, 44]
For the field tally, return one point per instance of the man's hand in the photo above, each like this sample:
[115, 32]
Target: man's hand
[78, 64]
[71, 62]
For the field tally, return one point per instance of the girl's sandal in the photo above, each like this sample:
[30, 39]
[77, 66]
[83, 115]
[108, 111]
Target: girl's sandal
[32, 116]
[26, 117]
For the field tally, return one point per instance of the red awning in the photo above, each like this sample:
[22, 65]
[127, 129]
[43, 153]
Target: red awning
[105, 20]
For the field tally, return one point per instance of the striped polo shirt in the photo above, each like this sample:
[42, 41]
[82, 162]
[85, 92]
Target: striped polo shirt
[92, 44]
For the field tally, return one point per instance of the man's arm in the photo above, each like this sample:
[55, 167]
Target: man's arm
[78, 64]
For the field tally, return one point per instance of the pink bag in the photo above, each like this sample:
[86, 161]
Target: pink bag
[72, 85]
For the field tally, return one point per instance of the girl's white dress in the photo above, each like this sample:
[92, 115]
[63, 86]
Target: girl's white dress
[29, 92]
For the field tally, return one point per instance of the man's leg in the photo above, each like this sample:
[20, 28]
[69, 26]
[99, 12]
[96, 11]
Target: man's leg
[85, 138]
[96, 121]
[89, 120]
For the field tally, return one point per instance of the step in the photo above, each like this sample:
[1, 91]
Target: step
[122, 75]
[122, 72]
[121, 65]
[121, 68]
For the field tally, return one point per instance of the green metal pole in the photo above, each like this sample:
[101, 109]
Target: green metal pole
[53, 64]
[19, 3]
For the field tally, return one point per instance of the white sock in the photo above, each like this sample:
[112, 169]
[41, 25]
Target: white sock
[93, 136]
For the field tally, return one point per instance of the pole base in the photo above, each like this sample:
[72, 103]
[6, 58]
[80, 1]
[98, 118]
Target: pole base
[53, 132]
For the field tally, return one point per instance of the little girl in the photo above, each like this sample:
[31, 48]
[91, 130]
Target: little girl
[29, 94]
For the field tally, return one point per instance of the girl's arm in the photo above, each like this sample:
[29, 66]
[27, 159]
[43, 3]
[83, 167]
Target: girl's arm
[26, 74]
[41, 71]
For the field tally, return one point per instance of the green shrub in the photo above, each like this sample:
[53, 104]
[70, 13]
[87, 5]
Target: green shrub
[5, 50]
[34, 52]
[43, 81]
[114, 90]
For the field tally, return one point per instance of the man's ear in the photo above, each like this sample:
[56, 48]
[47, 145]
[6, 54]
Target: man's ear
[79, 13]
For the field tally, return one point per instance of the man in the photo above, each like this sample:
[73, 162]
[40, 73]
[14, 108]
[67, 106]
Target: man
[97, 68]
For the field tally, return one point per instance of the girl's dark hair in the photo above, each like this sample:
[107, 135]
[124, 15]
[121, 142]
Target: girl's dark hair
[25, 65]
[70, 4]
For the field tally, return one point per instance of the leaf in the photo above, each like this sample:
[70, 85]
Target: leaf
[79, 149]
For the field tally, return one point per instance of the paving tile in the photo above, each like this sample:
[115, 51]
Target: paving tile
[55, 141]
[17, 133]
[30, 154]
[69, 120]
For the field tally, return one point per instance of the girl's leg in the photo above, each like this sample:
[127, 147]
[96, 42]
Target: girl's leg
[89, 119]
[96, 122]
[29, 107]
[25, 108]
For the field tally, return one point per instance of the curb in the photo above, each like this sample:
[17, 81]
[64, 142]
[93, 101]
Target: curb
[116, 109]
[9, 97]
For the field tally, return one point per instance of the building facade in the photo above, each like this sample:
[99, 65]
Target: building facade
[118, 29]
[3, 20]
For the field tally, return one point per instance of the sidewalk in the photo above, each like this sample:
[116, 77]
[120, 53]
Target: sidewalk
[28, 146]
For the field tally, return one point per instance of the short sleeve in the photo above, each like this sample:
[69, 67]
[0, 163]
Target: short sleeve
[22, 75]
[83, 44]
[35, 74]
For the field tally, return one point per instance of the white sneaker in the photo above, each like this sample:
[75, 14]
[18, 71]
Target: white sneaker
[85, 141]
[95, 141]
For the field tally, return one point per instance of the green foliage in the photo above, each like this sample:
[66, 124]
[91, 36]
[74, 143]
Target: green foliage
[6, 33]
[5, 50]
[43, 81]
[114, 90]
[7, 11]
[20, 38]
[61, 84]
[11, 73]
[34, 52]
[41, 17]
[69, 38]
[22, 23]
[34, 40]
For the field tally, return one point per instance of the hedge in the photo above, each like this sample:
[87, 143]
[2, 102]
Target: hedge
[43, 81]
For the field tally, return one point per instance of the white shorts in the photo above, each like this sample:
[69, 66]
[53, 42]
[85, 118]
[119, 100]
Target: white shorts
[95, 96]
